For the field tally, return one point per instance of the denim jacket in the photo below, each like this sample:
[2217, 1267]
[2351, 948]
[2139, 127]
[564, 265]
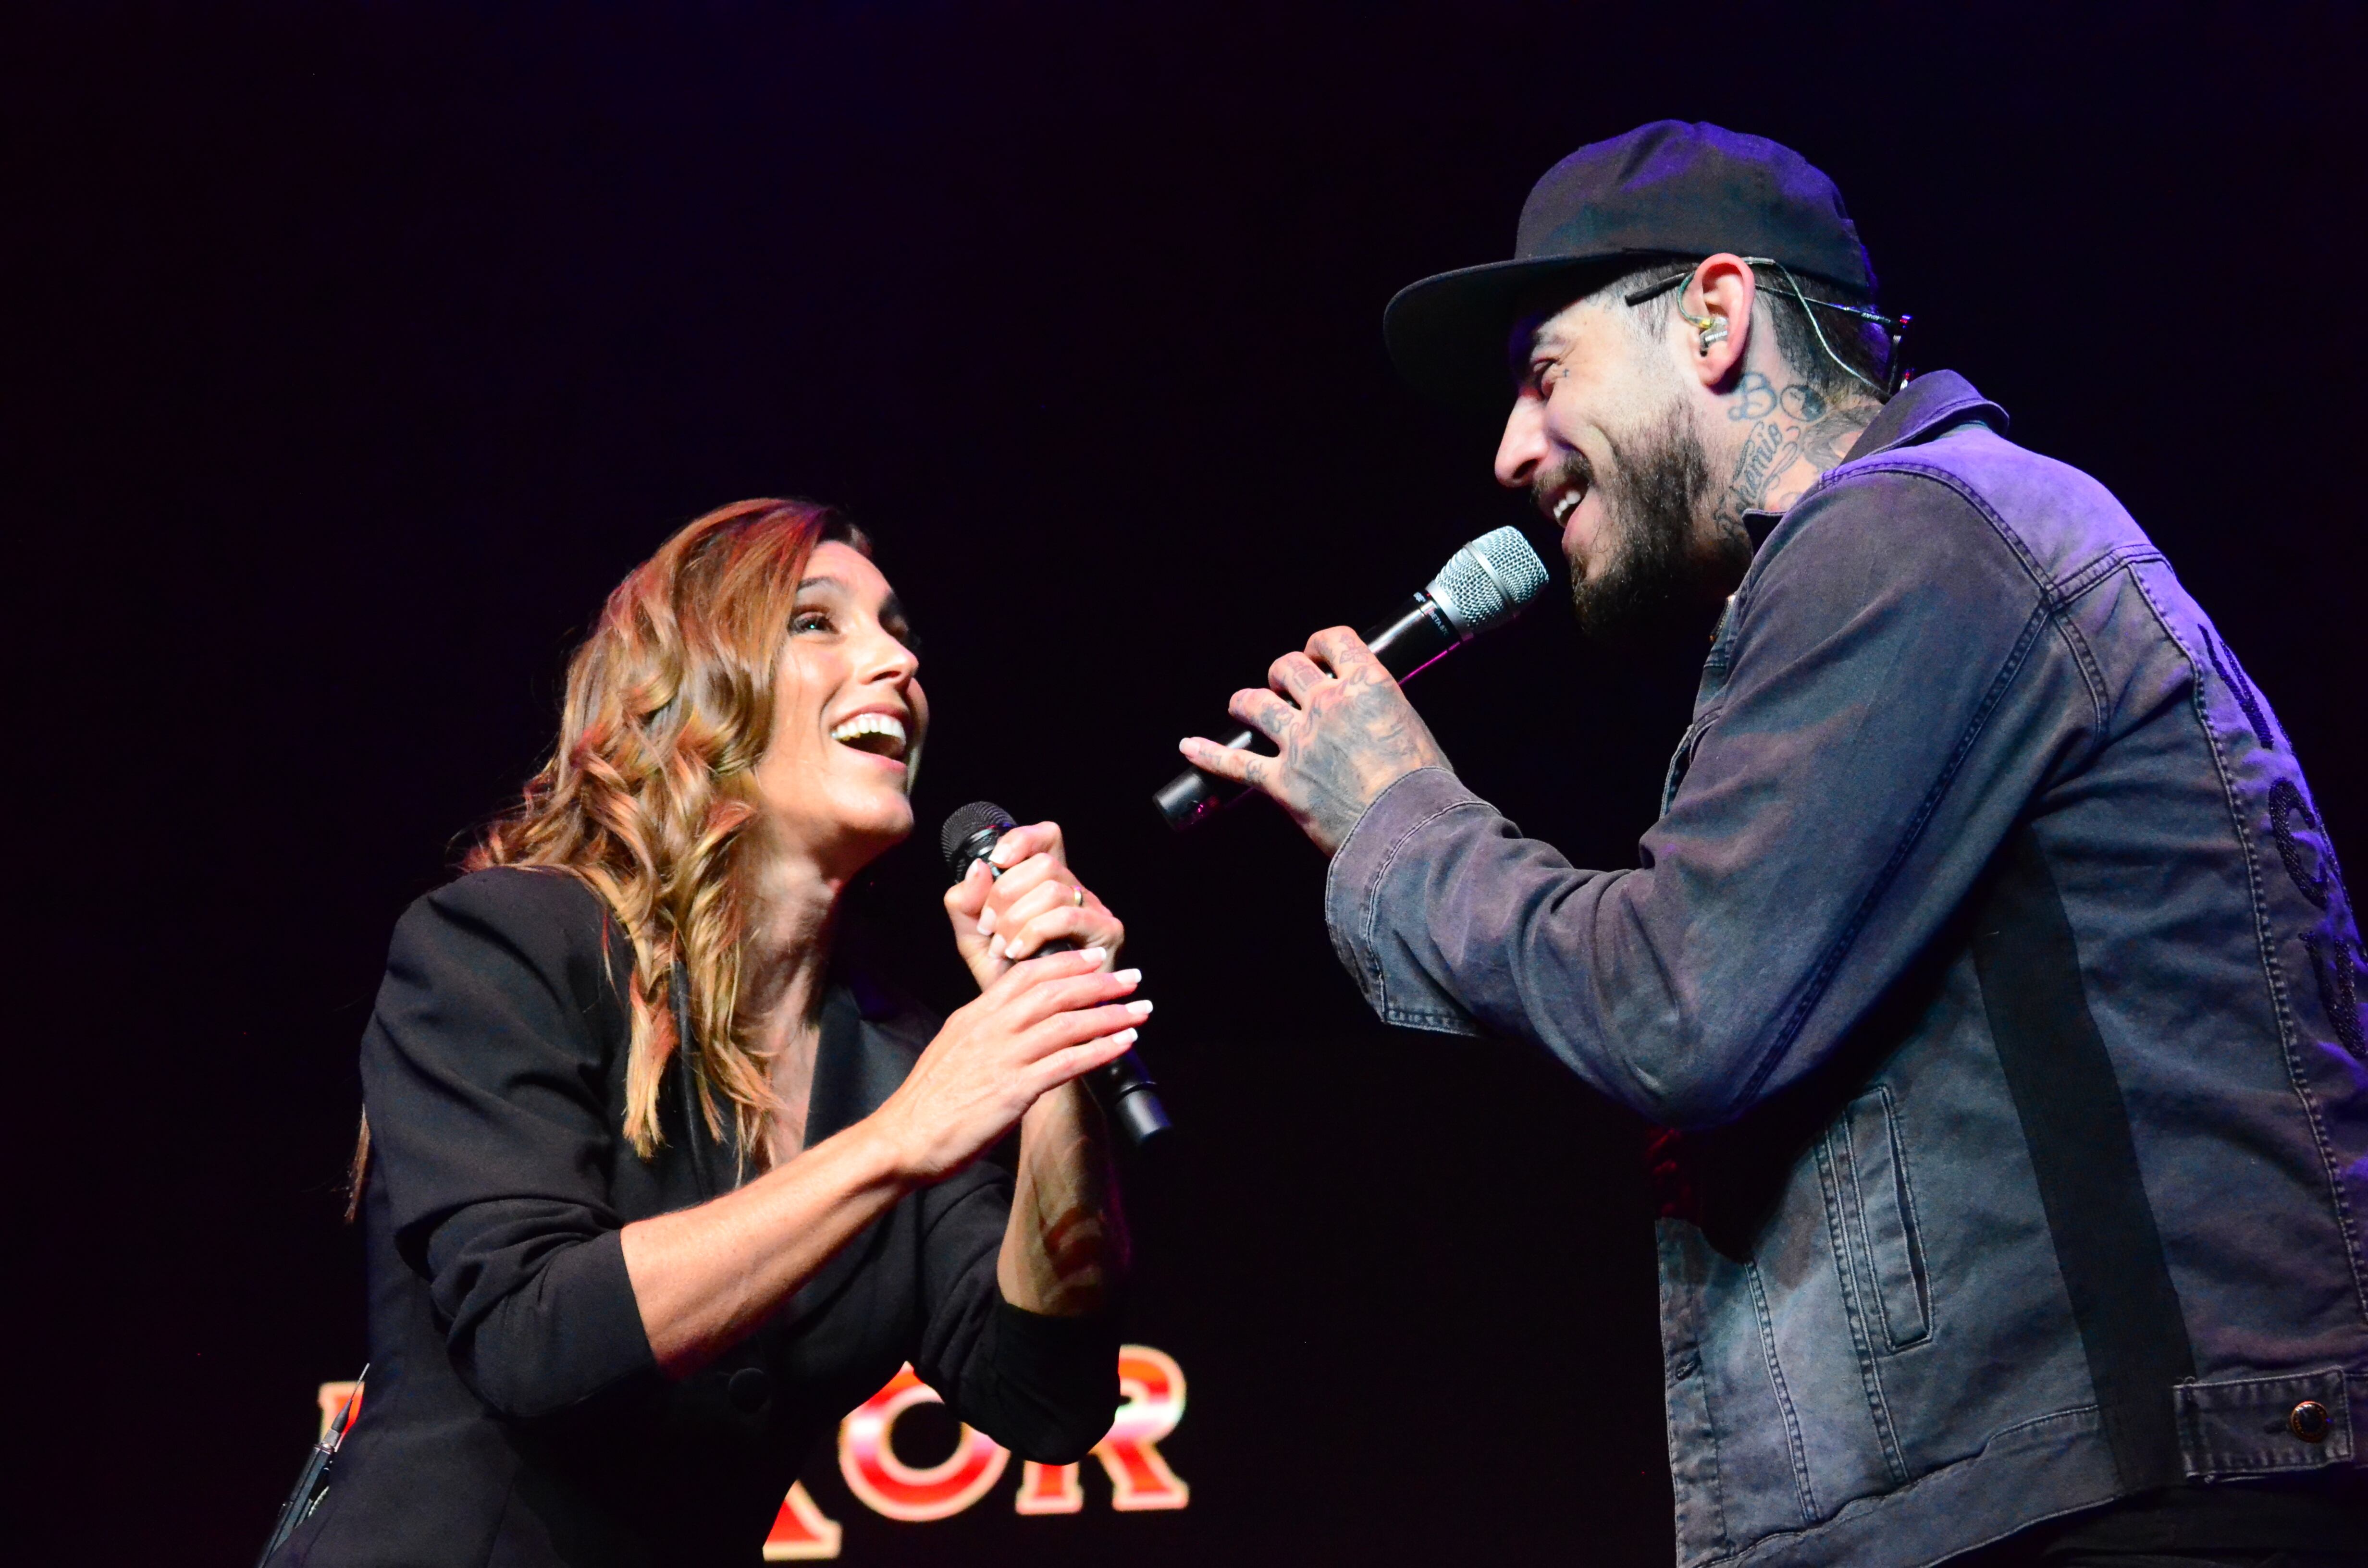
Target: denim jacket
[1995, 962]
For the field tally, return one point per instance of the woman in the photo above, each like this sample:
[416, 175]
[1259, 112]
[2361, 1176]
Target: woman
[651, 1197]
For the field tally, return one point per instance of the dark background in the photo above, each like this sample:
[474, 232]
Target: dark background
[355, 351]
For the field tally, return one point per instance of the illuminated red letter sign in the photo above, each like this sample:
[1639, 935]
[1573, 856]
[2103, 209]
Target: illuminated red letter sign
[801, 1533]
[1048, 1489]
[1154, 1386]
[889, 1486]
[1140, 1479]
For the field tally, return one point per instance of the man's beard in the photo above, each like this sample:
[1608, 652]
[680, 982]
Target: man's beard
[1664, 560]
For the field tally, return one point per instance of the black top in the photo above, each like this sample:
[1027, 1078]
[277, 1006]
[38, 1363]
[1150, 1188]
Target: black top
[514, 1414]
[2325, 1515]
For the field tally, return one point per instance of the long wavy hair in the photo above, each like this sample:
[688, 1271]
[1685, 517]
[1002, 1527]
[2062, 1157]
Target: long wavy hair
[649, 791]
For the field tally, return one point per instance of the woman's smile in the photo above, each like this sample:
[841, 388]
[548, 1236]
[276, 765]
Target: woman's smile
[876, 732]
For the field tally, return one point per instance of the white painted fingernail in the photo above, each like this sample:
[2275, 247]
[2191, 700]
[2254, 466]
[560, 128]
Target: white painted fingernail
[994, 949]
[1128, 976]
[1139, 1007]
[1124, 1036]
[986, 923]
[1094, 955]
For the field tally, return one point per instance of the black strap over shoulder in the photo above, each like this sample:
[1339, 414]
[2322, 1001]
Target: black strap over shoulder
[2077, 1129]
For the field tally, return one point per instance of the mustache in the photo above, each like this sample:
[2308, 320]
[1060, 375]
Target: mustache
[1573, 470]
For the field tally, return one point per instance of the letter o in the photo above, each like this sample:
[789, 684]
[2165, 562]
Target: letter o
[867, 1458]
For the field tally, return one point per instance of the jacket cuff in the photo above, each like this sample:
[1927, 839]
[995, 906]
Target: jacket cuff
[1051, 1386]
[1366, 932]
[1039, 1341]
[565, 1338]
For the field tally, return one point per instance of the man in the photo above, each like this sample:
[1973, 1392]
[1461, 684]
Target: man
[1988, 951]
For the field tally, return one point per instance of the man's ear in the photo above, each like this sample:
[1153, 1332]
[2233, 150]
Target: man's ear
[1719, 295]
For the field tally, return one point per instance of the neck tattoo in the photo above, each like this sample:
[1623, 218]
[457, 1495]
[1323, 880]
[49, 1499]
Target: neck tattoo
[1790, 427]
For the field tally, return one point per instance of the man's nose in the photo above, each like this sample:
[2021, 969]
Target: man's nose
[1523, 447]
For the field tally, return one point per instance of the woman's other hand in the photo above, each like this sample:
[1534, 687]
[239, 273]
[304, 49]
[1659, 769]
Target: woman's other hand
[705, 1276]
[1038, 900]
[1039, 1024]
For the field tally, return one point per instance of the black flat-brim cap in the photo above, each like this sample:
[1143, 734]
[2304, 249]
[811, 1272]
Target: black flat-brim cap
[1667, 189]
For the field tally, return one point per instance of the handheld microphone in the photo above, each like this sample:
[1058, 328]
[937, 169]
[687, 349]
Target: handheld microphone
[1482, 586]
[1130, 1100]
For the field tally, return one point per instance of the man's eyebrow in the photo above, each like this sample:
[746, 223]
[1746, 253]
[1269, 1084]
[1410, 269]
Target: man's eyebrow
[1522, 344]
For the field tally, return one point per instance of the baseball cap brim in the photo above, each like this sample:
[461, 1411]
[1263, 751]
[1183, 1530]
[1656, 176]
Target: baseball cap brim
[1449, 334]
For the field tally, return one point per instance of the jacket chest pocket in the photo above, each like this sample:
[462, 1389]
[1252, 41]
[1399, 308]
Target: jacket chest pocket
[1867, 1183]
[1682, 759]
[1706, 696]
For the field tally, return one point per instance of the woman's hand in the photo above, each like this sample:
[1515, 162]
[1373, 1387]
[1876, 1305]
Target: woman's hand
[1065, 1243]
[999, 921]
[705, 1277]
[1037, 1025]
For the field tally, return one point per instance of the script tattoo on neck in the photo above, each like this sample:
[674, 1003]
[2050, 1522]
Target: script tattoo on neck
[1791, 427]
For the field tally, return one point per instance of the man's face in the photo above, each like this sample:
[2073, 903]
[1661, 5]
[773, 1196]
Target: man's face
[1601, 435]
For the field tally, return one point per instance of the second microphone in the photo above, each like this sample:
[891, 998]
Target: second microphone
[1124, 1088]
[1482, 586]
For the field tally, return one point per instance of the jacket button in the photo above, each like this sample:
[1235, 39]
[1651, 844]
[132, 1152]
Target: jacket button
[748, 1389]
[2310, 1421]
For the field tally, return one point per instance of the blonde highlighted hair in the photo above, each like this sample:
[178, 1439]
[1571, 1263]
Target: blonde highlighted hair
[649, 790]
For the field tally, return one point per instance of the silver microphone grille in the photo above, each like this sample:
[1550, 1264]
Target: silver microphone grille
[1488, 581]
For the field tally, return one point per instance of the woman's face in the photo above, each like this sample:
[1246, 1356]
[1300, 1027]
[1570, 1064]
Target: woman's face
[848, 718]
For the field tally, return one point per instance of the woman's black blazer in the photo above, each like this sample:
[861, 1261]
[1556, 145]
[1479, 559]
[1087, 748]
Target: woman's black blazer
[515, 1414]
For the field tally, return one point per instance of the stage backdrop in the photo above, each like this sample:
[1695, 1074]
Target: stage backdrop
[356, 351]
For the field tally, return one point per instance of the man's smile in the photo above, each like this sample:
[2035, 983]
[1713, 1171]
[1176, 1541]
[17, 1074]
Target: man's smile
[1558, 498]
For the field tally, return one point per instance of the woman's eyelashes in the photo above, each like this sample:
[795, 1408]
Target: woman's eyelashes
[819, 622]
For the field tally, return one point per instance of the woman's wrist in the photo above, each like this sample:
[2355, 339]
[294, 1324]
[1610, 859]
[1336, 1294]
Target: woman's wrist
[1065, 1243]
[885, 1153]
[1061, 1118]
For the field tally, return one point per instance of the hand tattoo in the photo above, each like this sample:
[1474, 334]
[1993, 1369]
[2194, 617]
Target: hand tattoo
[1355, 738]
[1342, 736]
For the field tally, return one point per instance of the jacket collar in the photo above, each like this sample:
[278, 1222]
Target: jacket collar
[854, 1073]
[851, 1076]
[1924, 407]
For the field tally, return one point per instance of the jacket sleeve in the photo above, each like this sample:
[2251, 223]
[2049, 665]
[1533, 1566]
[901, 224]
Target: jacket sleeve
[1891, 687]
[486, 1081]
[1044, 1387]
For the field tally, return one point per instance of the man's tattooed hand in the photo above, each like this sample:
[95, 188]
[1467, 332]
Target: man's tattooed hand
[1345, 735]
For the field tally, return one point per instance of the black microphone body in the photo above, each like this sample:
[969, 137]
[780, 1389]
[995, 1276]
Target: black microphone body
[1124, 1088]
[1483, 585]
[1419, 635]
